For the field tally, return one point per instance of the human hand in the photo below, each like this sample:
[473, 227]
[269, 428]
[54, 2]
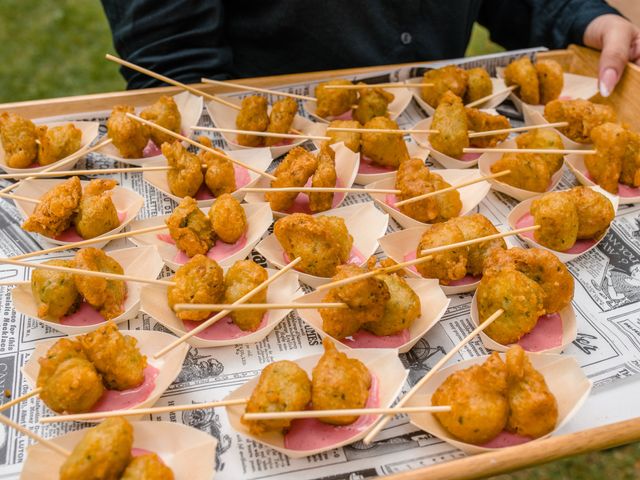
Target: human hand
[619, 41]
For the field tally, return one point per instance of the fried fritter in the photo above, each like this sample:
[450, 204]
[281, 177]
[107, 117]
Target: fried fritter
[324, 176]
[163, 112]
[283, 112]
[480, 121]
[200, 280]
[523, 74]
[544, 138]
[147, 467]
[476, 226]
[185, 176]
[449, 203]
[129, 136]
[595, 212]
[479, 85]
[220, 176]
[55, 292]
[240, 279]
[97, 213]
[294, 171]
[630, 173]
[252, 116]
[449, 78]
[478, 399]
[74, 387]
[550, 79]
[58, 142]
[605, 167]
[372, 102]
[283, 387]
[385, 149]
[332, 102]
[414, 179]
[339, 382]
[228, 219]
[59, 352]
[190, 228]
[400, 311]
[582, 115]
[557, 216]
[529, 171]
[18, 136]
[450, 120]
[351, 139]
[53, 214]
[448, 265]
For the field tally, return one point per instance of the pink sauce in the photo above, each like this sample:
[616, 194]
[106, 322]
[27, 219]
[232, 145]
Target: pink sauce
[218, 252]
[283, 142]
[580, 246]
[204, 193]
[624, 191]
[223, 329]
[115, 400]
[466, 280]
[506, 439]
[301, 203]
[367, 167]
[151, 150]
[138, 452]
[348, 115]
[85, 316]
[468, 157]
[71, 235]
[547, 334]
[310, 433]
[365, 339]
[355, 256]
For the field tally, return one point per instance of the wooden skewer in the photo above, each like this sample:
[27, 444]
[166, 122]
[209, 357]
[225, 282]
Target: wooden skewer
[473, 241]
[20, 399]
[369, 438]
[554, 151]
[452, 187]
[378, 85]
[526, 128]
[9, 283]
[141, 411]
[489, 97]
[260, 134]
[201, 146]
[104, 171]
[257, 89]
[256, 306]
[11, 196]
[392, 131]
[34, 436]
[318, 189]
[224, 313]
[344, 411]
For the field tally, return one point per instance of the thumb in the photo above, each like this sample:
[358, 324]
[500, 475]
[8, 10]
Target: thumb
[616, 45]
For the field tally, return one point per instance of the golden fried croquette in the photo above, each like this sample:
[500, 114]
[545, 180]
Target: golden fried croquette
[339, 382]
[163, 112]
[529, 171]
[58, 142]
[478, 399]
[331, 102]
[240, 279]
[54, 213]
[630, 173]
[103, 453]
[147, 467]
[294, 171]
[97, 213]
[220, 176]
[129, 136]
[557, 216]
[200, 280]
[228, 219]
[324, 176]
[322, 242]
[283, 112]
[74, 387]
[106, 295]
[448, 265]
[185, 176]
[480, 121]
[116, 357]
[372, 102]
[414, 179]
[59, 352]
[544, 138]
[523, 74]
[476, 226]
[190, 228]
[54, 292]
[550, 79]
[521, 298]
[582, 116]
[18, 136]
[385, 149]
[605, 167]
[400, 311]
[283, 387]
[449, 203]
[450, 121]
[479, 85]
[595, 212]
[351, 139]
[449, 78]
[252, 116]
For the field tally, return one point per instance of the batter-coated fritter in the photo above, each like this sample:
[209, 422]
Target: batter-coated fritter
[339, 382]
[240, 279]
[414, 179]
[605, 167]
[324, 176]
[147, 467]
[449, 78]
[283, 387]
[116, 357]
[557, 216]
[294, 171]
[476, 226]
[533, 409]
[400, 311]
[190, 228]
[97, 213]
[479, 85]
[630, 173]
[521, 298]
[185, 176]
[550, 79]
[385, 149]
[322, 242]
[544, 138]
[529, 171]
[18, 137]
[373, 102]
[103, 453]
[163, 112]
[478, 399]
[449, 203]
[480, 121]
[55, 292]
[58, 142]
[332, 102]
[104, 294]
[74, 387]
[582, 115]
[595, 212]
[129, 136]
[200, 280]
[228, 219]
[252, 116]
[366, 300]
[53, 214]
[59, 352]
[283, 112]
[220, 176]
[448, 265]
[351, 139]
[523, 74]
[450, 121]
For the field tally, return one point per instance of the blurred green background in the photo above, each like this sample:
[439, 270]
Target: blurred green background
[54, 49]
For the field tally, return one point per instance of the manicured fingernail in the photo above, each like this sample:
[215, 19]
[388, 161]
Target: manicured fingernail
[608, 81]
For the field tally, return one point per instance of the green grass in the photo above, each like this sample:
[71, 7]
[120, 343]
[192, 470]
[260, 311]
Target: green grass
[56, 48]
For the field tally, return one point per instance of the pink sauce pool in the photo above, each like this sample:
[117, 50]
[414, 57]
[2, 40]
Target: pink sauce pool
[367, 167]
[83, 317]
[580, 246]
[365, 339]
[138, 452]
[223, 329]
[218, 252]
[348, 115]
[506, 439]
[283, 142]
[115, 400]
[624, 191]
[151, 150]
[547, 334]
[71, 235]
[466, 280]
[301, 203]
[310, 433]
[204, 193]
[355, 257]
[468, 157]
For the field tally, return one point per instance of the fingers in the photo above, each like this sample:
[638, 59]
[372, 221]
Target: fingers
[617, 44]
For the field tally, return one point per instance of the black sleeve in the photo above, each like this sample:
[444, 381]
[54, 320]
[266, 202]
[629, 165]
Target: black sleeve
[182, 39]
[532, 23]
